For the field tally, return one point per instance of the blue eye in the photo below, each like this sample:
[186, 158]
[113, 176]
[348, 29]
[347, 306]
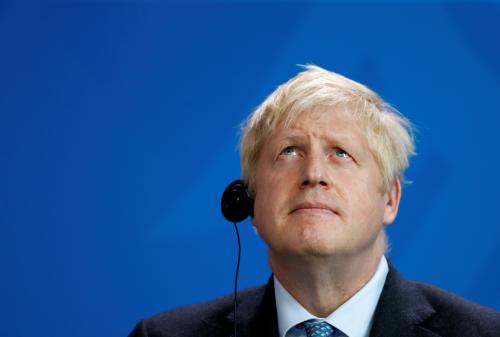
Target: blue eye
[289, 151]
[341, 153]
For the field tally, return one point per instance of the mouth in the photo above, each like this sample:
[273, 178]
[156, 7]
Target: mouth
[313, 207]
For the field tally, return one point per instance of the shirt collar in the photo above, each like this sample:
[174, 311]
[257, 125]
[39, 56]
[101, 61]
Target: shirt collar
[354, 317]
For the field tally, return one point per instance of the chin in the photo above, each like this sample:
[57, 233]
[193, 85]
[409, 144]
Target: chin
[315, 246]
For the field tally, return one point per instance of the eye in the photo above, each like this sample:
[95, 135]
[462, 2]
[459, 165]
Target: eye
[289, 151]
[341, 153]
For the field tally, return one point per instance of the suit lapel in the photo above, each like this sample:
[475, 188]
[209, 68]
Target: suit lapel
[401, 309]
[256, 314]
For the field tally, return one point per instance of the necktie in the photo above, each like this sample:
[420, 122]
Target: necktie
[316, 328]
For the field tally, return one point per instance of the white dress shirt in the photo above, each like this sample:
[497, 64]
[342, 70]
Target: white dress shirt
[354, 317]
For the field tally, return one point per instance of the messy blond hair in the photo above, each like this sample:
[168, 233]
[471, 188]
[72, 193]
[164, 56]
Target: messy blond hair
[388, 133]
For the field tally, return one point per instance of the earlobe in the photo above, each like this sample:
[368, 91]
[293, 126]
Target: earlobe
[256, 230]
[393, 196]
[254, 226]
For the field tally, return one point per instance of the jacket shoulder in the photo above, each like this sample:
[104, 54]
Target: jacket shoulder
[458, 314]
[201, 319]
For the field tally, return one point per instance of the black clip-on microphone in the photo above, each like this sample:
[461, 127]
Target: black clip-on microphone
[236, 205]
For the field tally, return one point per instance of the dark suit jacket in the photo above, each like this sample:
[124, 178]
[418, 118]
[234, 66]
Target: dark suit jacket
[405, 309]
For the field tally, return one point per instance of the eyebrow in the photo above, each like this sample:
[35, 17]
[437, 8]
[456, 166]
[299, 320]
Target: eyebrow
[292, 137]
[297, 135]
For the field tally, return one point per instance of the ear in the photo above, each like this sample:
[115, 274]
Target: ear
[392, 198]
[254, 226]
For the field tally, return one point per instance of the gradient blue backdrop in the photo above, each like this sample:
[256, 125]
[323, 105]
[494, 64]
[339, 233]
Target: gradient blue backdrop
[119, 124]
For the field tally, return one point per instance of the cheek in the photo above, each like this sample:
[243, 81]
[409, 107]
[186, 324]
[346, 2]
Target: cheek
[365, 201]
[257, 211]
[271, 195]
[262, 204]
[265, 204]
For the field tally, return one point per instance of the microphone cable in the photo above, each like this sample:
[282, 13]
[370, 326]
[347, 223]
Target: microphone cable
[236, 277]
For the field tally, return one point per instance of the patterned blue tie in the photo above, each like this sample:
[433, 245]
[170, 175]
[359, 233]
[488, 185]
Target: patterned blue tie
[316, 328]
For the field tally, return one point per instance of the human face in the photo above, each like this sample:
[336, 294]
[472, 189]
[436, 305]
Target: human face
[318, 187]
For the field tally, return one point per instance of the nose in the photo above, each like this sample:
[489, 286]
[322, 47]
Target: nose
[315, 172]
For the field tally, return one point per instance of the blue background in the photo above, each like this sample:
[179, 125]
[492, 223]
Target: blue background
[119, 124]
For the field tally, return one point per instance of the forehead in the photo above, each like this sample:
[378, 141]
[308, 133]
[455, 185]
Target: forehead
[338, 122]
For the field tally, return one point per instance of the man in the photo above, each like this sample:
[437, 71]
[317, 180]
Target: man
[324, 158]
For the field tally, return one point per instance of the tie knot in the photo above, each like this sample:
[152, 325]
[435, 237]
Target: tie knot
[316, 328]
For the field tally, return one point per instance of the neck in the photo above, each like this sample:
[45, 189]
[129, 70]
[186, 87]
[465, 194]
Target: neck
[322, 284]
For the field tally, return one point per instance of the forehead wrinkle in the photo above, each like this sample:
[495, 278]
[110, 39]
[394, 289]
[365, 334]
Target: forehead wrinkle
[332, 135]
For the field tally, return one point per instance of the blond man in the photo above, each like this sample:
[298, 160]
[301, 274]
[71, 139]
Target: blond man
[323, 158]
